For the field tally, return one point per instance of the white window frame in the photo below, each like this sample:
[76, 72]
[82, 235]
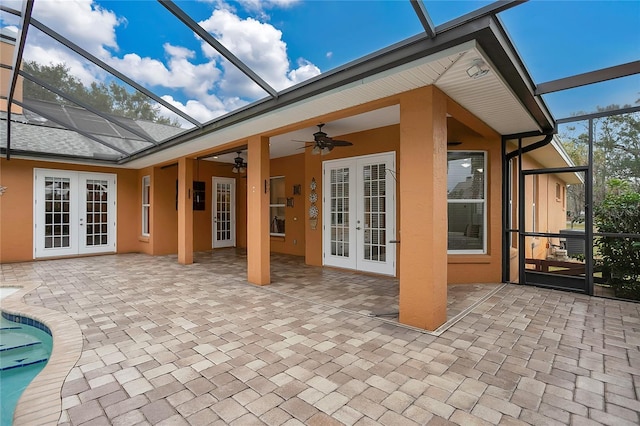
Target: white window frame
[482, 201]
[277, 205]
[146, 205]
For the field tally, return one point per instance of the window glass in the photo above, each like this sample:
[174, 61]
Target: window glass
[146, 203]
[278, 202]
[466, 210]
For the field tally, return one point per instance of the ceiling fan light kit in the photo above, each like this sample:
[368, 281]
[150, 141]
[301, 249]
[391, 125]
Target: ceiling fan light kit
[240, 166]
[323, 144]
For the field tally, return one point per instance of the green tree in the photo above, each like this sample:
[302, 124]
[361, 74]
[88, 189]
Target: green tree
[112, 98]
[578, 151]
[616, 149]
[619, 213]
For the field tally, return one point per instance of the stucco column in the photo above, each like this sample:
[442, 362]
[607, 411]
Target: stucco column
[423, 208]
[185, 211]
[258, 238]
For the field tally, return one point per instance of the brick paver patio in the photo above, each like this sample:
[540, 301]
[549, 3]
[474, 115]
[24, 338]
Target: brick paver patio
[171, 344]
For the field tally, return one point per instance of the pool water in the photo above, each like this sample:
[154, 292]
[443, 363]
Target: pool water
[25, 347]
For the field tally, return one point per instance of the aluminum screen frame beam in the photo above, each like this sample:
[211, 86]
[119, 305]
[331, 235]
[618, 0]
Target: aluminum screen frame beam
[423, 15]
[27, 8]
[64, 125]
[584, 79]
[202, 33]
[88, 56]
[486, 30]
[488, 10]
[601, 114]
[86, 106]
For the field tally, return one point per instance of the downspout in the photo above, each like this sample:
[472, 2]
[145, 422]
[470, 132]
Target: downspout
[547, 139]
[506, 189]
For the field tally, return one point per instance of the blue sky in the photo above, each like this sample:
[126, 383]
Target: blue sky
[289, 41]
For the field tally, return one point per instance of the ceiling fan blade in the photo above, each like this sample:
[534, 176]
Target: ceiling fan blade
[335, 142]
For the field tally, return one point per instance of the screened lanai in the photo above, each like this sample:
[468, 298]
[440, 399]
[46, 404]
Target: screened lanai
[136, 84]
[187, 70]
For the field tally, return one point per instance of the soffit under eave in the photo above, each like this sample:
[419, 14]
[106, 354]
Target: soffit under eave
[419, 73]
[489, 98]
[550, 156]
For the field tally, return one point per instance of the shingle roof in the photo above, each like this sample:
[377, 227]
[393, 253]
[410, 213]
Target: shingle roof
[30, 132]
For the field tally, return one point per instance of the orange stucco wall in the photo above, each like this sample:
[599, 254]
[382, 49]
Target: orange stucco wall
[423, 219]
[16, 204]
[146, 242]
[461, 268]
[163, 235]
[258, 201]
[384, 139]
[294, 174]
[481, 268]
[16, 207]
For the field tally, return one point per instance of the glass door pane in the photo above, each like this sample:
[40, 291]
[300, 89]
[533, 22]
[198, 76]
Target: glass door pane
[339, 211]
[97, 213]
[359, 213]
[55, 213]
[96, 216]
[56, 217]
[375, 239]
[223, 212]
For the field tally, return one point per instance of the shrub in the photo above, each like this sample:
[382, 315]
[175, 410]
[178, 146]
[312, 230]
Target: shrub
[619, 213]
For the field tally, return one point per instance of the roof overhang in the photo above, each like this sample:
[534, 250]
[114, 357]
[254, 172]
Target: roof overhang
[551, 156]
[504, 98]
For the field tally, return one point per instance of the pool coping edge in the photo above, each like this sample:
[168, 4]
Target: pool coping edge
[41, 402]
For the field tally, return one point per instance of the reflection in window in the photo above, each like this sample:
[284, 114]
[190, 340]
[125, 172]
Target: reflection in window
[277, 206]
[146, 204]
[466, 206]
[339, 211]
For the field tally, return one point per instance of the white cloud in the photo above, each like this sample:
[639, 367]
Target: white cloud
[305, 71]
[201, 111]
[259, 7]
[211, 83]
[260, 46]
[45, 54]
[83, 21]
[10, 30]
[178, 73]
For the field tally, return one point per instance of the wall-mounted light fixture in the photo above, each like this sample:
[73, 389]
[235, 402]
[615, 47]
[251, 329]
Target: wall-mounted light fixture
[477, 69]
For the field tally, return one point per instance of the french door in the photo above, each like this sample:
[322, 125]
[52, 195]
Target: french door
[74, 213]
[224, 212]
[359, 223]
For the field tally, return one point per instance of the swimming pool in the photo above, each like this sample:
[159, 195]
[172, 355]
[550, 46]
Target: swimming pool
[25, 347]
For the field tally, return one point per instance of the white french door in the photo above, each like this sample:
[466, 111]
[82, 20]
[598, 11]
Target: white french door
[74, 213]
[224, 212]
[359, 221]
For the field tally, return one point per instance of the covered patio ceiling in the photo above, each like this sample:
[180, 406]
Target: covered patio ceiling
[442, 52]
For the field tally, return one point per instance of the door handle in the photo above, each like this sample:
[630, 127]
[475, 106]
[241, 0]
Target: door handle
[358, 228]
